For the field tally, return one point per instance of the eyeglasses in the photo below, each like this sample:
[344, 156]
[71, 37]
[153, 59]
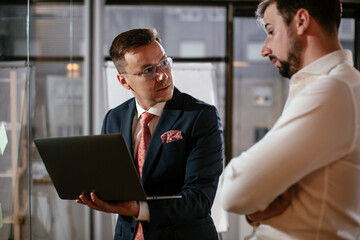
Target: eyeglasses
[150, 72]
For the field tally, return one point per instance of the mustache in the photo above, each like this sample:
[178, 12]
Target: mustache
[272, 58]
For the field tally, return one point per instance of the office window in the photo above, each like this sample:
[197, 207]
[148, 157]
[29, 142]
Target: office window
[347, 34]
[259, 90]
[175, 24]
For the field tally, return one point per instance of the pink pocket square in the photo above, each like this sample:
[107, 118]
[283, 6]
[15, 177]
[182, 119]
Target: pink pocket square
[171, 136]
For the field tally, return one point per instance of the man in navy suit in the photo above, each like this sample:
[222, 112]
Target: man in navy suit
[185, 153]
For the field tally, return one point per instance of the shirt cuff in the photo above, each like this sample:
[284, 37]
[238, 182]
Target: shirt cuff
[144, 213]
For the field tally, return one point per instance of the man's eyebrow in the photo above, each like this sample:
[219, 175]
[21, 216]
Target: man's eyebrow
[149, 65]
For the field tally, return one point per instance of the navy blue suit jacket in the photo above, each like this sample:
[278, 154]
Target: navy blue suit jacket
[189, 167]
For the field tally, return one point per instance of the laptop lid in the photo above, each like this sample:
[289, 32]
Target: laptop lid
[99, 163]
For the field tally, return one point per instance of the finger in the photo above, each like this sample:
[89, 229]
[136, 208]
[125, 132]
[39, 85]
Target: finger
[117, 207]
[278, 206]
[95, 199]
[89, 203]
[79, 201]
[102, 205]
[99, 203]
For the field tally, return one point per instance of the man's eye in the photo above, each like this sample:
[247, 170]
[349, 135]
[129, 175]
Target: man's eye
[164, 63]
[148, 70]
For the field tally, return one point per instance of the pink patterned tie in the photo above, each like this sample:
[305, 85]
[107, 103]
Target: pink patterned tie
[143, 143]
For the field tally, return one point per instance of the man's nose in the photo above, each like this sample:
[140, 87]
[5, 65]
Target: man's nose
[265, 50]
[161, 74]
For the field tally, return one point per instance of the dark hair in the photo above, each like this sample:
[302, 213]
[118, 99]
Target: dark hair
[128, 41]
[326, 12]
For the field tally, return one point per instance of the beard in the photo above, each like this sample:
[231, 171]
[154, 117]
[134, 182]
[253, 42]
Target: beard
[292, 64]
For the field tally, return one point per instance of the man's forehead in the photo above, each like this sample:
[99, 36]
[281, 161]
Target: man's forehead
[145, 55]
[271, 15]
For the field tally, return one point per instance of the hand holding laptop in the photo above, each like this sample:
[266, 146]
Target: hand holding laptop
[124, 208]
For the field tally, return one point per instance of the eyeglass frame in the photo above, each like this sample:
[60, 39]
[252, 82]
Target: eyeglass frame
[155, 67]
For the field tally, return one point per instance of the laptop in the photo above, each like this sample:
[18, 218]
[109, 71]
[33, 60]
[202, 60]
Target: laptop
[99, 163]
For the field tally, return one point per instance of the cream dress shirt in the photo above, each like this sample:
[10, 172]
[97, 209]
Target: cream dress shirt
[157, 109]
[314, 149]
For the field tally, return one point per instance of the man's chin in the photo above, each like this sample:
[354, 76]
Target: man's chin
[166, 94]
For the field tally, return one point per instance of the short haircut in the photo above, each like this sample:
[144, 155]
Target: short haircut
[128, 41]
[326, 12]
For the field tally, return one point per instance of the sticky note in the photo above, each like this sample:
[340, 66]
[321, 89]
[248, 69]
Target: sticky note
[3, 138]
[1, 222]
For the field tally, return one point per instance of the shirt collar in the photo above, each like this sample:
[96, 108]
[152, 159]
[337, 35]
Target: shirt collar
[324, 64]
[157, 109]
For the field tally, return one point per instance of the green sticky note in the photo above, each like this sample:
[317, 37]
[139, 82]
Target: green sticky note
[0, 217]
[3, 138]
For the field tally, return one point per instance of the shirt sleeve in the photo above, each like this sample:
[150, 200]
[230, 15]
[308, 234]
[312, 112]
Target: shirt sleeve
[144, 213]
[315, 129]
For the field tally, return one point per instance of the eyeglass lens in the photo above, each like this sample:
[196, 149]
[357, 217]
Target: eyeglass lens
[165, 65]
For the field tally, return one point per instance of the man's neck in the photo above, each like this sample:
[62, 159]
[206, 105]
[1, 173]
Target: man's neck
[317, 46]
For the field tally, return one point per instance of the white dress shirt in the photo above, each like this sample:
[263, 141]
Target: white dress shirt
[157, 109]
[314, 149]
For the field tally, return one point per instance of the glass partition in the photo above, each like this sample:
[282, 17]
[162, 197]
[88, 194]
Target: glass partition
[14, 75]
[13, 150]
[57, 49]
[49, 96]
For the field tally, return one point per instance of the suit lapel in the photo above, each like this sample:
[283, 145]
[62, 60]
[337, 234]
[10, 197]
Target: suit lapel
[170, 114]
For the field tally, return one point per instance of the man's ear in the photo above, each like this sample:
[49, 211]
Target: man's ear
[122, 80]
[302, 20]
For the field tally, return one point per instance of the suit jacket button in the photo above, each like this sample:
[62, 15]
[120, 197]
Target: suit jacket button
[132, 229]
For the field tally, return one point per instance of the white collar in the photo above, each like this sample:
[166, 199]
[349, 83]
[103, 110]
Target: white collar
[324, 64]
[157, 109]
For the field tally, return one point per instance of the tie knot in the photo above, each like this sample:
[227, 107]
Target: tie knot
[146, 118]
